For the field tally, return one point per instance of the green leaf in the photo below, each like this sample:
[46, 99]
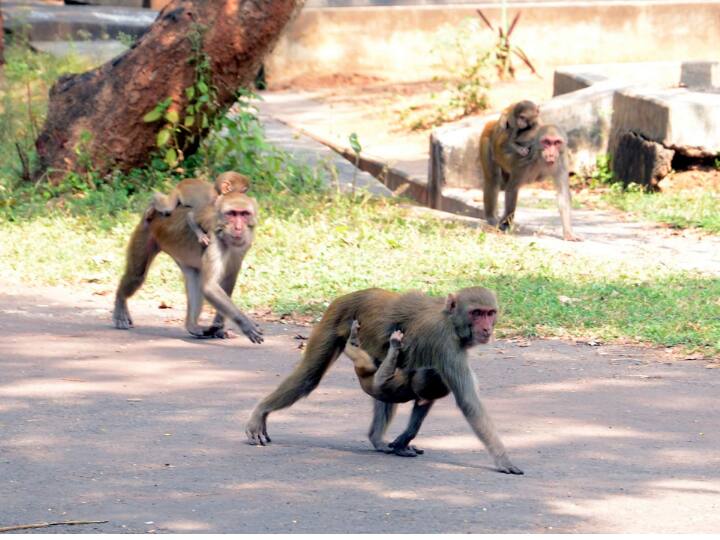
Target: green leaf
[171, 157]
[172, 116]
[190, 92]
[202, 87]
[163, 137]
[355, 143]
[189, 121]
[205, 123]
[153, 116]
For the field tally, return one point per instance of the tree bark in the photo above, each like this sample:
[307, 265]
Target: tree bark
[109, 102]
[2, 38]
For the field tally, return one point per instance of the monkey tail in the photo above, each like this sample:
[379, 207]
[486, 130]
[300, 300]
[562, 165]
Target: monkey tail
[325, 345]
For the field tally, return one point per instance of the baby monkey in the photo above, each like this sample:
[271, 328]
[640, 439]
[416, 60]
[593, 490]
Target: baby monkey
[521, 121]
[387, 382]
[196, 194]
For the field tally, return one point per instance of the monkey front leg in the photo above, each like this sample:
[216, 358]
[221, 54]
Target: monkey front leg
[215, 270]
[562, 187]
[461, 381]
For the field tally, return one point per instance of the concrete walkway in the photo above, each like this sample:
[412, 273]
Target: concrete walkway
[608, 235]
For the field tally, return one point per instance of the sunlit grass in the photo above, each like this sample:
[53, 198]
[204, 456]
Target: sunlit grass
[313, 248]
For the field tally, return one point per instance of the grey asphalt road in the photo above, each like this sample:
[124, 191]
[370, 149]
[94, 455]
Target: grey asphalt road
[145, 429]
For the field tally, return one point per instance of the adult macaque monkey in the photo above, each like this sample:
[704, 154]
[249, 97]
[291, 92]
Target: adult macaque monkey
[436, 334]
[209, 272]
[504, 170]
[197, 194]
[520, 124]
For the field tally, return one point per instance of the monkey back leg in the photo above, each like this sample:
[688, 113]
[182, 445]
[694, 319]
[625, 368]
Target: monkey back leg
[141, 251]
[382, 416]
[401, 445]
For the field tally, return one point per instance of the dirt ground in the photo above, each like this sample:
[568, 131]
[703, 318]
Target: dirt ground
[144, 429]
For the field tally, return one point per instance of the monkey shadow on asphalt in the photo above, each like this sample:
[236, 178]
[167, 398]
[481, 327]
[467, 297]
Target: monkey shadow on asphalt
[146, 430]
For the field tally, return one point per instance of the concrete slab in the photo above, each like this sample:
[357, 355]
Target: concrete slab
[314, 154]
[98, 51]
[52, 22]
[677, 118]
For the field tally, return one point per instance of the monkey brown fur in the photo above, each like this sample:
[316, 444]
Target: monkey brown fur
[437, 334]
[520, 122]
[508, 171]
[388, 383]
[210, 272]
[196, 193]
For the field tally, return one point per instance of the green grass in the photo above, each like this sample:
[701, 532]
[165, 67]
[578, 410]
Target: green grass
[679, 210]
[312, 248]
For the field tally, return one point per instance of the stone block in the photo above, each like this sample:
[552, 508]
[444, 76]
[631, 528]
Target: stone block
[585, 117]
[700, 75]
[454, 156]
[677, 118]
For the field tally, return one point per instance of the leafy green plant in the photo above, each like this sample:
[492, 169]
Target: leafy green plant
[503, 50]
[356, 148]
[467, 64]
[601, 174]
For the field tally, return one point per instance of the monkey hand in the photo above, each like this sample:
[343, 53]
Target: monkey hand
[572, 237]
[396, 339]
[256, 430]
[252, 331]
[504, 465]
[523, 151]
[204, 239]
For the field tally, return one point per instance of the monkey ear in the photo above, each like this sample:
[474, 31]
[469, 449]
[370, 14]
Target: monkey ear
[450, 303]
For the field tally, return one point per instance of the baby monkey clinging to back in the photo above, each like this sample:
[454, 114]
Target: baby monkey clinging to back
[521, 121]
[196, 194]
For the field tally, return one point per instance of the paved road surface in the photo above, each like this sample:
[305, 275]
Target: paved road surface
[145, 429]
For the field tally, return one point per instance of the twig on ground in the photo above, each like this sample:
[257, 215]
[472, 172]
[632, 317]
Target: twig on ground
[47, 524]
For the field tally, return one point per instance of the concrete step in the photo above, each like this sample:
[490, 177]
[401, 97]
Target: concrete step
[57, 22]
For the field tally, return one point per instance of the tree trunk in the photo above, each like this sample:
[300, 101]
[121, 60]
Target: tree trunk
[109, 102]
[2, 38]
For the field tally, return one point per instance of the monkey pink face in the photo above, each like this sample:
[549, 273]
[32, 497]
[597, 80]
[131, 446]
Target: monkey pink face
[483, 323]
[238, 223]
[551, 146]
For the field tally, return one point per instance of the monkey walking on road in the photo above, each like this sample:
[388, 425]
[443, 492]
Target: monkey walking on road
[210, 271]
[508, 171]
[437, 334]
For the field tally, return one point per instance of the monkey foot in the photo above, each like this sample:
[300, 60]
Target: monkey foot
[406, 450]
[505, 466]
[122, 322]
[218, 332]
[256, 432]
